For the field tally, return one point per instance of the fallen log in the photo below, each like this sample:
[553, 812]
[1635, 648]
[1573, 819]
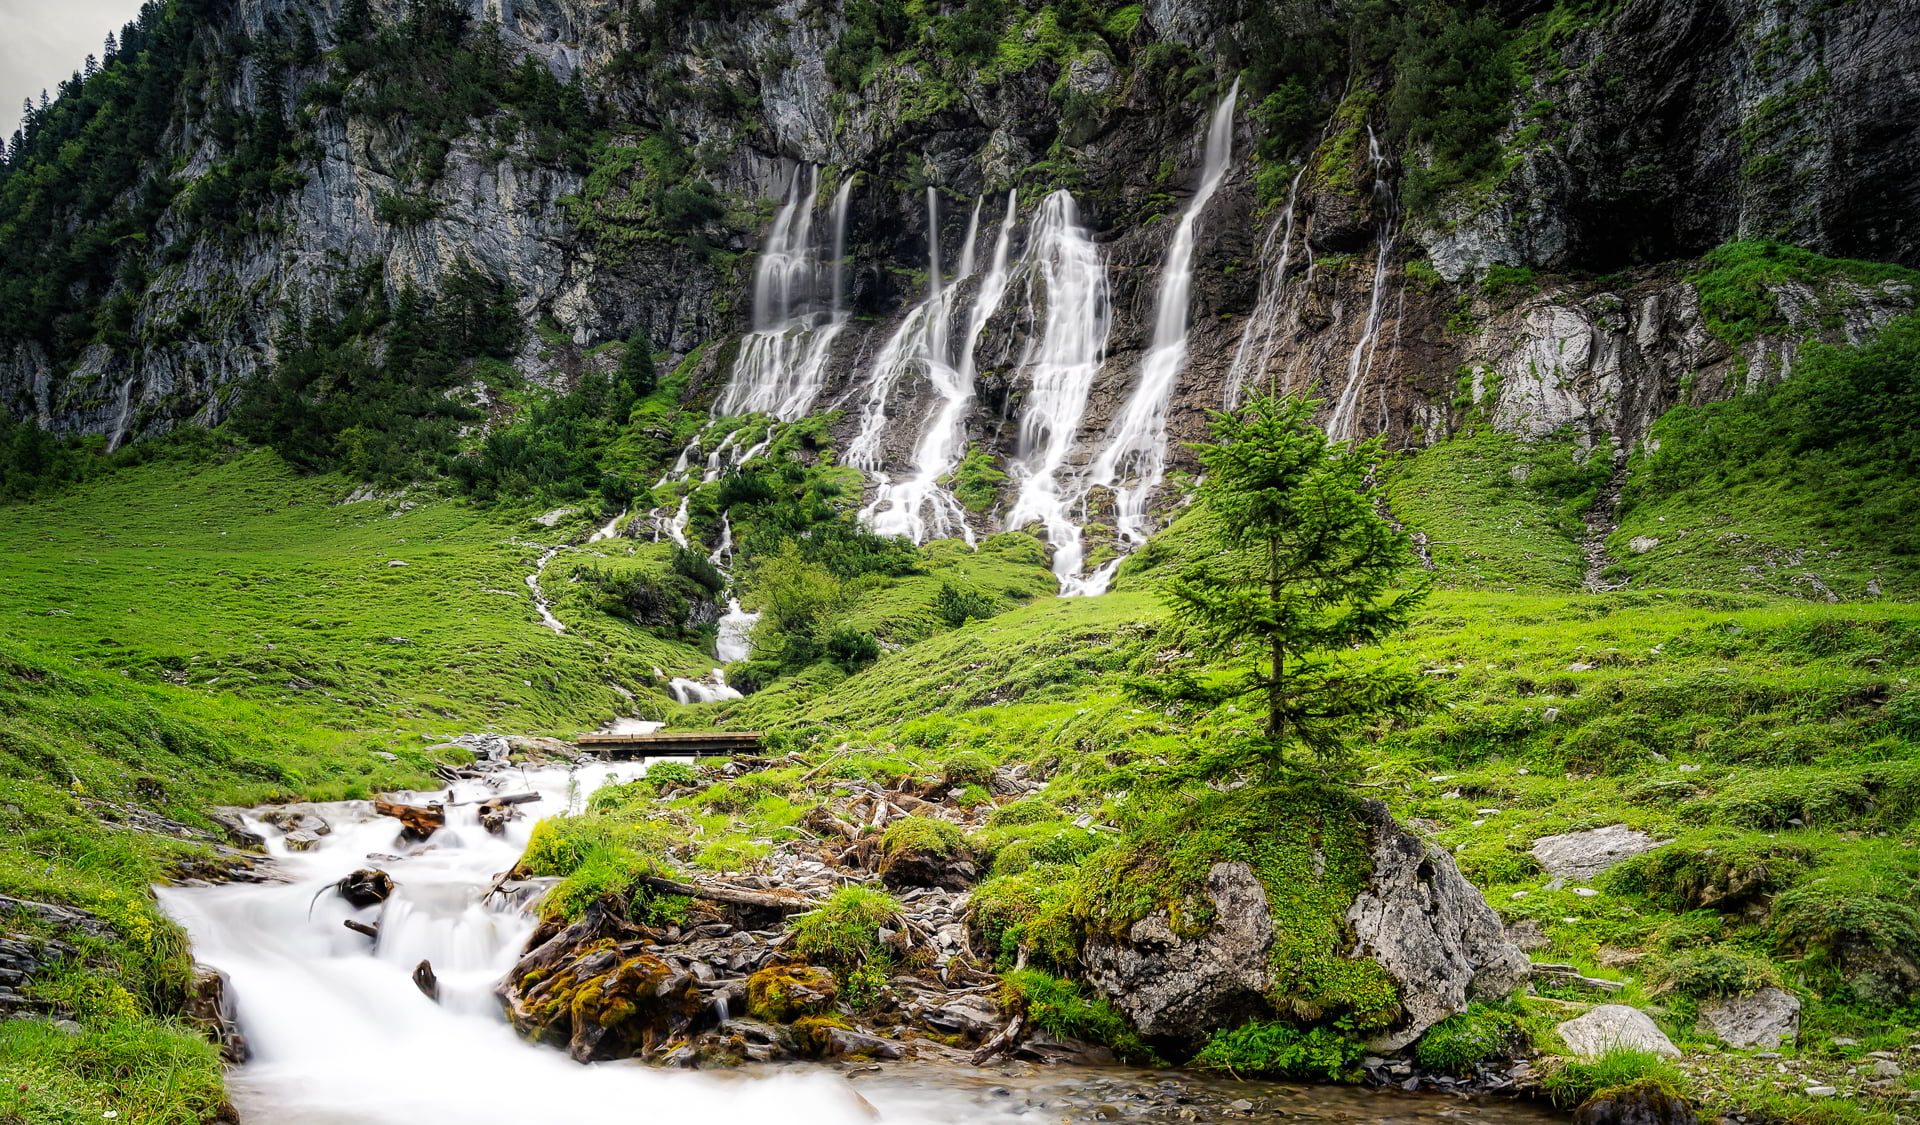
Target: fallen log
[420, 821]
[362, 928]
[787, 901]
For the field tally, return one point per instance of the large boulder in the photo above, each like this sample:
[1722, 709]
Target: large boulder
[1431, 930]
[598, 997]
[1615, 1026]
[1582, 855]
[1766, 1018]
[1639, 1103]
[1415, 916]
[1175, 986]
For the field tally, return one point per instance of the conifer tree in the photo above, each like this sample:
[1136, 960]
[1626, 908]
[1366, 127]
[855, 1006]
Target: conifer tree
[637, 368]
[111, 48]
[1304, 572]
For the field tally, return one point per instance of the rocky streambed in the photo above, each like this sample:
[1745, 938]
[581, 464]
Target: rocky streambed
[374, 999]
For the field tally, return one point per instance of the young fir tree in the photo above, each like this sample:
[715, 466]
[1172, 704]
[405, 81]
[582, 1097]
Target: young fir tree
[1304, 572]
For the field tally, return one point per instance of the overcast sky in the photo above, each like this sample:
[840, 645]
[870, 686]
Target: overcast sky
[42, 42]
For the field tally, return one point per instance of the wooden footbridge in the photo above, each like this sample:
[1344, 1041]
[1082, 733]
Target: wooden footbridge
[673, 744]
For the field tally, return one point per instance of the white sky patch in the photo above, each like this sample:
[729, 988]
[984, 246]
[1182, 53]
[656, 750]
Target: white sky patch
[42, 42]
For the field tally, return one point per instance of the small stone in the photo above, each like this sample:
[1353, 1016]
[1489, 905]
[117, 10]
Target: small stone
[1609, 1026]
[1821, 1091]
[1240, 1105]
[1579, 666]
[1843, 1041]
[1886, 1068]
[1586, 892]
[1518, 895]
[1106, 1113]
[395, 562]
[69, 1027]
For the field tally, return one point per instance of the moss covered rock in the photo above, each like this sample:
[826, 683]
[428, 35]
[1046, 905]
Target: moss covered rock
[784, 993]
[599, 998]
[920, 851]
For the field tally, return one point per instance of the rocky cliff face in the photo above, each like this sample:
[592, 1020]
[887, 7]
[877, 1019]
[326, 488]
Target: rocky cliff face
[1645, 134]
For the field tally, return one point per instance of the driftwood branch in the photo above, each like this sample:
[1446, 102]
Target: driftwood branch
[1005, 1041]
[362, 928]
[787, 901]
[422, 821]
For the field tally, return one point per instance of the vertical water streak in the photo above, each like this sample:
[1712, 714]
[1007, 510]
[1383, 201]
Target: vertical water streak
[1067, 271]
[1261, 336]
[916, 344]
[1344, 421]
[1133, 461]
[782, 362]
[921, 507]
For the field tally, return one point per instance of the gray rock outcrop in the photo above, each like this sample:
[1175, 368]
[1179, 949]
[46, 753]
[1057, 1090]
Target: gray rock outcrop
[1767, 1018]
[1582, 855]
[1175, 986]
[1615, 1027]
[1431, 930]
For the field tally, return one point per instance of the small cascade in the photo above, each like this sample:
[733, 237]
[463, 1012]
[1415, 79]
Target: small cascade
[799, 308]
[921, 507]
[713, 689]
[674, 527]
[1254, 356]
[612, 529]
[1067, 277]
[540, 602]
[1133, 461]
[723, 554]
[735, 639]
[1344, 422]
[919, 345]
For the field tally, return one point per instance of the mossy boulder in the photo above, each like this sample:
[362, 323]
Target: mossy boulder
[597, 997]
[922, 851]
[784, 993]
[1290, 902]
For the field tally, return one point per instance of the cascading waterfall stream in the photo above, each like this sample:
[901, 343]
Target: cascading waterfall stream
[921, 507]
[1344, 422]
[1133, 460]
[918, 345]
[1067, 276]
[782, 362]
[1260, 338]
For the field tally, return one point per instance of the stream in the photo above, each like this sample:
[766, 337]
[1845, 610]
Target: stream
[340, 1035]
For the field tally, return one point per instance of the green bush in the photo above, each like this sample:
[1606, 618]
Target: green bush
[844, 933]
[1281, 1050]
[1714, 970]
[1463, 1043]
[1575, 1082]
[1062, 1008]
[956, 607]
[1027, 810]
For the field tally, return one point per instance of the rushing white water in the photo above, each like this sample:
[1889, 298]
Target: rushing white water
[1344, 421]
[921, 507]
[1067, 276]
[917, 347]
[735, 639]
[799, 308]
[674, 527]
[1133, 460]
[540, 603]
[723, 554]
[1261, 336]
[713, 689]
[340, 1035]
[610, 530]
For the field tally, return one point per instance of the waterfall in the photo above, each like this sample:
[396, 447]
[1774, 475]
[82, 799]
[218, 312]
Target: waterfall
[1065, 269]
[918, 345]
[1261, 336]
[735, 640]
[782, 362]
[1133, 461]
[921, 507]
[1344, 422]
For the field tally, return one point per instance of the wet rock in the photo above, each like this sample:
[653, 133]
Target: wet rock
[365, 887]
[1767, 1018]
[426, 980]
[210, 1007]
[1582, 855]
[608, 1001]
[832, 1041]
[301, 841]
[233, 822]
[1611, 1026]
[1642, 1103]
[292, 819]
[784, 993]
[1431, 930]
[1171, 985]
